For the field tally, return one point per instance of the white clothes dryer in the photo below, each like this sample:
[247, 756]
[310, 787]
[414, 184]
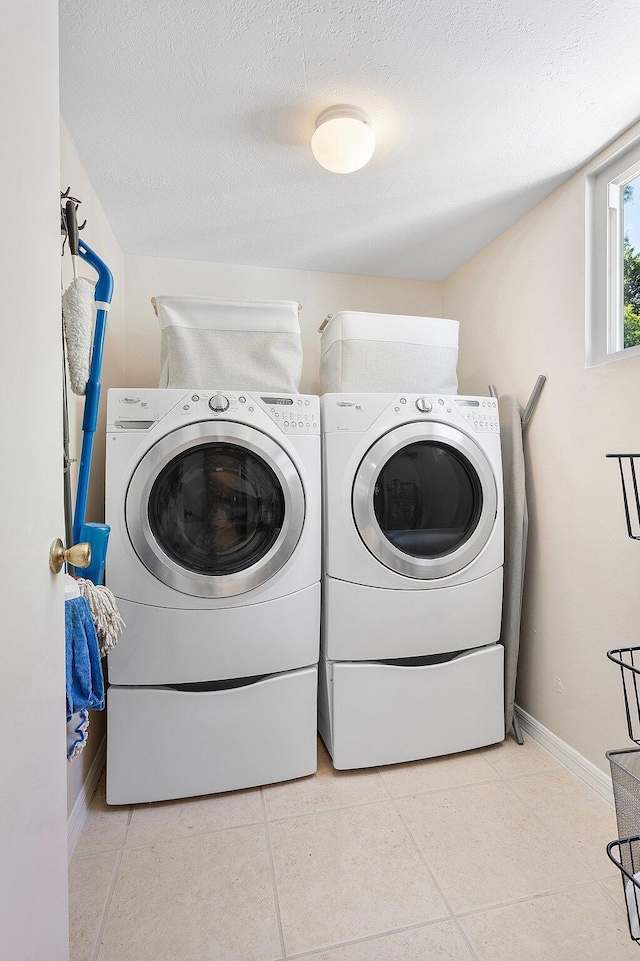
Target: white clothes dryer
[413, 555]
[214, 557]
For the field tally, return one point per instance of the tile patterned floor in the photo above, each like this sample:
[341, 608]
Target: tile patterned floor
[487, 856]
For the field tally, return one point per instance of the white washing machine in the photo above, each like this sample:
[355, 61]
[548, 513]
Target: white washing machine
[214, 557]
[413, 554]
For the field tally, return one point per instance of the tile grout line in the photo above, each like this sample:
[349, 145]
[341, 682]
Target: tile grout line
[395, 798]
[386, 786]
[181, 837]
[379, 936]
[534, 897]
[276, 899]
[557, 837]
[619, 901]
[445, 900]
[116, 870]
[329, 810]
[527, 774]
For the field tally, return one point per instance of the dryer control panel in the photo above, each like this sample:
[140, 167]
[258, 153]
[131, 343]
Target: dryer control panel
[480, 412]
[358, 412]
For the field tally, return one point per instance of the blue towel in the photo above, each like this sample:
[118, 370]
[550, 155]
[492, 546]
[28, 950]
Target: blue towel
[85, 684]
[77, 733]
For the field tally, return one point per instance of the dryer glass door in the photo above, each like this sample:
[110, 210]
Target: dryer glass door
[215, 509]
[425, 500]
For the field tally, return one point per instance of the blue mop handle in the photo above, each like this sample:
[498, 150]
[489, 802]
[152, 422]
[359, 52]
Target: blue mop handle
[103, 295]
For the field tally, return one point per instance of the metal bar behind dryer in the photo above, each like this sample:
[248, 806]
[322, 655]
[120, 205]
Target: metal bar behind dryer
[533, 400]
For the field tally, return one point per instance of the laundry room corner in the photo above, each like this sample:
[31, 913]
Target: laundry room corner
[84, 768]
[521, 306]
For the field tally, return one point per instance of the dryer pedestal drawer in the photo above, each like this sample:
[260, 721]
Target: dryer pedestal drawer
[373, 713]
[166, 743]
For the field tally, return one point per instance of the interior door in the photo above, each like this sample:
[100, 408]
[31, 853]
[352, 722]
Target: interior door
[33, 827]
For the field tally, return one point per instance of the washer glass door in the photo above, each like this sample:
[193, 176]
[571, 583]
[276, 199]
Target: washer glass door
[215, 509]
[425, 500]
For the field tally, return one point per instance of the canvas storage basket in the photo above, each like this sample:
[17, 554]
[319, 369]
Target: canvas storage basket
[229, 344]
[387, 353]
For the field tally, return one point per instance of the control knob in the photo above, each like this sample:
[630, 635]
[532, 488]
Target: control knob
[424, 405]
[219, 403]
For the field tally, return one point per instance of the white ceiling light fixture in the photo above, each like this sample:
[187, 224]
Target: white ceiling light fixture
[343, 140]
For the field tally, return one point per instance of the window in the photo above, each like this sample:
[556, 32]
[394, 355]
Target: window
[613, 258]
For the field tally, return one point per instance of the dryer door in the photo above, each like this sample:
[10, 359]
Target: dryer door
[215, 509]
[425, 500]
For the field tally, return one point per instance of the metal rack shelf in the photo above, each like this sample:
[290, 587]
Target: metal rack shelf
[628, 660]
[624, 851]
[625, 765]
[625, 855]
[630, 495]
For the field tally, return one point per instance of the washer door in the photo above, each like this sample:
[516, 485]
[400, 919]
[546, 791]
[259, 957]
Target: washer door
[425, 500]
[215, 509]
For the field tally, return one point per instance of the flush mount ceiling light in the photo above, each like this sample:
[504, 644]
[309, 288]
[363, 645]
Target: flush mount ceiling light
[343, 140]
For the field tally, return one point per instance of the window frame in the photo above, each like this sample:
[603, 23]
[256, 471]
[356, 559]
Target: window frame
[605, 255]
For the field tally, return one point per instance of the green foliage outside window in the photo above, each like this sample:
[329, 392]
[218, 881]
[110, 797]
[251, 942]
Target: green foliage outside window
[631, 310]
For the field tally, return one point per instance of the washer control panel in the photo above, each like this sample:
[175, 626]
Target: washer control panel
[219, 403]
[293, 413]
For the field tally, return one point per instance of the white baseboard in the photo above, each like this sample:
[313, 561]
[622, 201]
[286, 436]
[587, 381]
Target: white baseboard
[80, 809]
[592, 776]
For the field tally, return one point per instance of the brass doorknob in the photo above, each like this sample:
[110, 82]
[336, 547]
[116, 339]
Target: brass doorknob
[78, 556]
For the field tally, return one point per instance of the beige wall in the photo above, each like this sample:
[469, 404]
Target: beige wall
[320, 294]
[521, 303]
[99, 236]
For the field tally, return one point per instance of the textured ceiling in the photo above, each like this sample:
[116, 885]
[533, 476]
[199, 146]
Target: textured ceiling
[193, 120]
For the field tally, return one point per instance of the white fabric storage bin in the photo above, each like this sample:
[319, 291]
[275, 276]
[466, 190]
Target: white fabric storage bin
[385, 353]
[231, 344]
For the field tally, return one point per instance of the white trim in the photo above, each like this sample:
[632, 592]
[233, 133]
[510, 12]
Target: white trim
[592, 776]
[604, 255]
[80, 809]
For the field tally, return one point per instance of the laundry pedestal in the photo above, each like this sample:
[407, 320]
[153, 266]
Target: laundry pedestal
[187, 740]
[373, 713]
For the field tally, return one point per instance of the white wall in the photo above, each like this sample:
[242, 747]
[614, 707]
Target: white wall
[100, 237]
[319, 294]
[521, 303]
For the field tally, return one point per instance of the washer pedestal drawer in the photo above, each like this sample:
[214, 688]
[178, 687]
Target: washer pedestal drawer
[166, 743]
[373, 713]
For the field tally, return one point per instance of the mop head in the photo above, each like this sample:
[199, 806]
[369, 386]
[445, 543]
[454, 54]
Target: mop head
[77, 312]
[104, 611]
